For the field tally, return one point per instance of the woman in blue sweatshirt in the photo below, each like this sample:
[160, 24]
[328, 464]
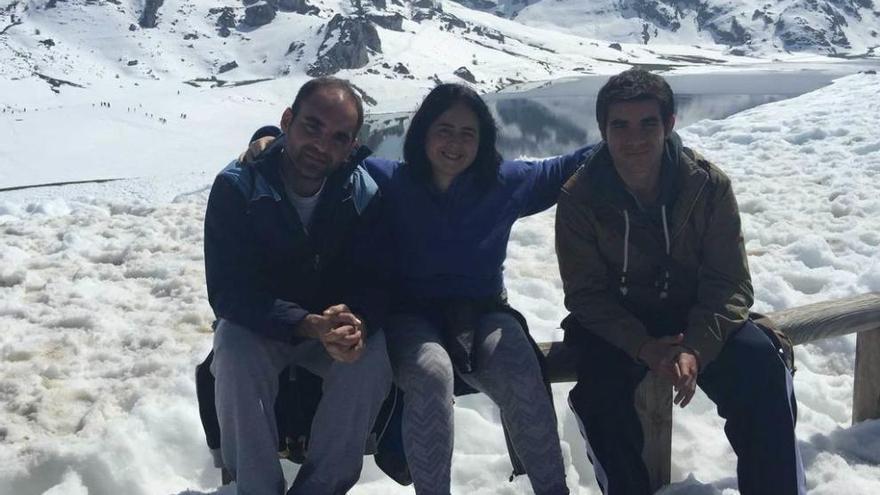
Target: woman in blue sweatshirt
[451, 205]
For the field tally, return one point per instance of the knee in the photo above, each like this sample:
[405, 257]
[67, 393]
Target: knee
[755, 356]
[753, 371]
[374, 366]
[236, 346]
[427, 371]
[504, 344]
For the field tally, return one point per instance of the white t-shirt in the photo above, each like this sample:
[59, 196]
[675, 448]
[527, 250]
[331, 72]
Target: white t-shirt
[304, 205]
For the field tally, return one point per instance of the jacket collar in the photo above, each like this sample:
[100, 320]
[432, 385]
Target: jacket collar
[683, 181]
[267, 181]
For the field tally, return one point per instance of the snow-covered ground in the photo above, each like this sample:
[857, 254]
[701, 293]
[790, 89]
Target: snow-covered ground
[103, 312]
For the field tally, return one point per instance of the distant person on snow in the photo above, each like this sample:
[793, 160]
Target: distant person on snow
[655, 276]
[285, 288]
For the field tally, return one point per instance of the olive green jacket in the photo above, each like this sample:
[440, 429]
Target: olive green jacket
[702, 288]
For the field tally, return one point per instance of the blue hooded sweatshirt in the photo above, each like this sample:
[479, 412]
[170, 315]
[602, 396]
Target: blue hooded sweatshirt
[453, 244]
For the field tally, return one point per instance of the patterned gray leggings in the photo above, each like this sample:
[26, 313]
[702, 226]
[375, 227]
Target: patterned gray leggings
[507, 371]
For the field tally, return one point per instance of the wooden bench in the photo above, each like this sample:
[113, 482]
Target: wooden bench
[859, 314]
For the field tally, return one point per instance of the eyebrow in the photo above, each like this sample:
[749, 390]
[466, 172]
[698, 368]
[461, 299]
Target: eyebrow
[450, 126]
[313, 120]
[645, 120]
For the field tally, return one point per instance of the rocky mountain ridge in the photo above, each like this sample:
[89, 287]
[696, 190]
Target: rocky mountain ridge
[489, 43]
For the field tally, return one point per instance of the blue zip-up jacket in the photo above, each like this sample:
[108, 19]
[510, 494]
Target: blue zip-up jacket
[266, 271]
[453, 244]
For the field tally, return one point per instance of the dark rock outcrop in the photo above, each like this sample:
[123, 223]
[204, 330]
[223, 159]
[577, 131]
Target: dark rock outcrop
[393, 22]
[298, 6]
[428, 4]
[225, 21]
[149, 17]
[295, 46]
[227, 67]
[355, 38]
[259, 14]
[736, 35]
[489, 33]
[465, 74]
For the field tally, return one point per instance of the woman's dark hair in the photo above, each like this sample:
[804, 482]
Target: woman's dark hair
[439, 100]
[634, 85]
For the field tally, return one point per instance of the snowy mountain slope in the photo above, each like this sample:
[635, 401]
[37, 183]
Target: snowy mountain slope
[103, 315]
[833, 26]
[70, 43]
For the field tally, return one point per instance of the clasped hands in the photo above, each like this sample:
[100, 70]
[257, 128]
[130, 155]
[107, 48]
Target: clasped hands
[339, 330]
[668, 358]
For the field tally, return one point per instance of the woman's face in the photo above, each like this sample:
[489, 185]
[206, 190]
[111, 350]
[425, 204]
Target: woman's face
[452, 142]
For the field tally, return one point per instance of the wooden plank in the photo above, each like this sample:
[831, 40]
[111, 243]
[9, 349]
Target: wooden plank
[803, 324]
[866, 386]
[830, 319]
[653, 403]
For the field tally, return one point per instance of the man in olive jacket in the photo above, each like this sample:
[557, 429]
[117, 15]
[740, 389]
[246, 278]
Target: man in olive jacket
[655, 275]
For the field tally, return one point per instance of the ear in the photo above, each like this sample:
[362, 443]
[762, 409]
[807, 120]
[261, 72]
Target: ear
[669, 125]
[286, 119]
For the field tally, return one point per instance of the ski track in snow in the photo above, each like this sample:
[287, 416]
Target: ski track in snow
[103, 316]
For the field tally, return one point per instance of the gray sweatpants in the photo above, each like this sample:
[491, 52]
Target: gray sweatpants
[246, 367]
[507, 371]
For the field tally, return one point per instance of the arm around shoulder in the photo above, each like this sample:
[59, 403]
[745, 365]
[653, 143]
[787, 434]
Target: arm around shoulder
[549, 175]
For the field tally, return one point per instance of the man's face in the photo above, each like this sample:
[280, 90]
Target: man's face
[635, 132]
[322, 133]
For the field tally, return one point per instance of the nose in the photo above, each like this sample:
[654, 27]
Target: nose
[457, 140]
[323, 142]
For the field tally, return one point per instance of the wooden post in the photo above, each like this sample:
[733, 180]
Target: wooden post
[866, 386]
[653, 403]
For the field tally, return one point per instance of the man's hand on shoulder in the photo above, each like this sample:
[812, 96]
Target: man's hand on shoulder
[254, 149]
[339, 330]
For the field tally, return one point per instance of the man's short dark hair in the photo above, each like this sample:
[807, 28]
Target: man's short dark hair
[309, 88]
[634, 85]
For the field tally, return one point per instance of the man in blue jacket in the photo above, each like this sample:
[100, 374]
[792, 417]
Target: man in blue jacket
[282, 243]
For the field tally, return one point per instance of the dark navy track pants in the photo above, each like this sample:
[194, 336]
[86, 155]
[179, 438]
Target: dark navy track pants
[748, 382]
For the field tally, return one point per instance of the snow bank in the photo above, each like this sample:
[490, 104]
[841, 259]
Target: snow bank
[103, 316]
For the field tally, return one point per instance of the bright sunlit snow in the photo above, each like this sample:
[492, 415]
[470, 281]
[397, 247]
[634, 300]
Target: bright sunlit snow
[103, 311]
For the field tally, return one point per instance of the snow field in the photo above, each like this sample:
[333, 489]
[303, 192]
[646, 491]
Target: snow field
[103, 316]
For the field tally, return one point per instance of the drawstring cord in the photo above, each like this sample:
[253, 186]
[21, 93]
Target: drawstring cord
[623, 287]
[664, 292]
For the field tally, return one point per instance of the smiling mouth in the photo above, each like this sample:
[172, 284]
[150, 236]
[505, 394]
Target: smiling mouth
[315, 158]
[451, 156]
